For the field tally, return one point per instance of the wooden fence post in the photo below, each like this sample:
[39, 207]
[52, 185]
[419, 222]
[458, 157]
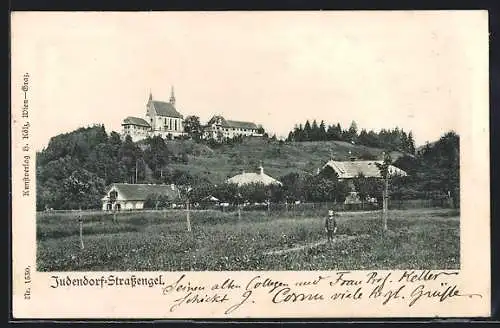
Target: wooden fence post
[80, 219]
[187, 217]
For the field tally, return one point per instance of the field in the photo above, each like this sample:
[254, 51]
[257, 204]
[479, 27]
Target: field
[416, 239]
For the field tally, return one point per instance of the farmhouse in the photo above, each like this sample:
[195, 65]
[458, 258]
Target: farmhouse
[162, 119]
[132, 196]
[348, 170]
[252, 177]
[218, 127]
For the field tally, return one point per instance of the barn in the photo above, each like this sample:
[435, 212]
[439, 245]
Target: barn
[348, 170]
[132, 196]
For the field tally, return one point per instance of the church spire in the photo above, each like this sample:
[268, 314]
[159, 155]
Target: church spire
[172, 96]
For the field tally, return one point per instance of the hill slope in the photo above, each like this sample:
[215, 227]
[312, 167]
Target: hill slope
[75, 168]
[278, 158]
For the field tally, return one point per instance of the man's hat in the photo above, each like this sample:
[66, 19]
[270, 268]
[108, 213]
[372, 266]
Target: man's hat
[330, 212]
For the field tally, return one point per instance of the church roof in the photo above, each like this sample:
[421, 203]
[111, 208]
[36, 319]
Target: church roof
[351, 169]
[131, 120]
[165, 109]
[139, 192]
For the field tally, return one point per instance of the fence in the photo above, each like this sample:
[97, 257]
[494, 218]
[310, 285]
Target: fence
[301, 209]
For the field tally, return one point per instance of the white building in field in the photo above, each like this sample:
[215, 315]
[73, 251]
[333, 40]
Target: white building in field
[254, 177]
[126, 196]
[161, 119]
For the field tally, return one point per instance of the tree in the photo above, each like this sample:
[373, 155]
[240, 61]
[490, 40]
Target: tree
[156, 155]
[322, 131]
[82, 189]
[307, 131]
[352, 133]
[411, 143]
[292, 186]
[192, 127]
[315, 131]
[129, 154]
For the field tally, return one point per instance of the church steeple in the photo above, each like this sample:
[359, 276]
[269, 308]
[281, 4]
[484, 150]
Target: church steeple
[172, 96]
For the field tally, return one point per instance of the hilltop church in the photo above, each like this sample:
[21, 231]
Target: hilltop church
[162, 119]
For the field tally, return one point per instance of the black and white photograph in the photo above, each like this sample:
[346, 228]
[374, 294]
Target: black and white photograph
[258, 141]
[189, 149]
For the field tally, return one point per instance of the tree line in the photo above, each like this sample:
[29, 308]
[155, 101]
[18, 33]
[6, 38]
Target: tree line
[76, 168]
[395, 139]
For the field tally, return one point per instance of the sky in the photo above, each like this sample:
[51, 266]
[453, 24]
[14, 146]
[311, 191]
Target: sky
[412, 70]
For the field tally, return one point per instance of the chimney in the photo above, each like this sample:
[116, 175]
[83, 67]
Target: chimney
[172, 186]
[242, 171]
[261, 169]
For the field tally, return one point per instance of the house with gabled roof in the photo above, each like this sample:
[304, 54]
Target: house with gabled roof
[127, 196]
[137, 128]
[351, 169]
[346, 170]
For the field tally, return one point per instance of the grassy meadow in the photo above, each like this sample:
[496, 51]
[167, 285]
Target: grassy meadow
[278, 159]
[416, 239]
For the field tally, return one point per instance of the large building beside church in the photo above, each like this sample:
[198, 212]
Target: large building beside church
[218, 128]
[161, 119]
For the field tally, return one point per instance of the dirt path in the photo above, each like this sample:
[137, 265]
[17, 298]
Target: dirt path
[312, 245]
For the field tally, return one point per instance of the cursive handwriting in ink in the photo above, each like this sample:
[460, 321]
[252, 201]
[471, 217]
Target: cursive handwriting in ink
[343, 281]
[444, 292]
[426, 275]
[267, 283]
[246, 295]
[197, 298]
[286, 295]
[180, 286]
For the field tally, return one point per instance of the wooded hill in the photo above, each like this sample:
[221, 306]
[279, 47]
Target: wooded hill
[75, 168]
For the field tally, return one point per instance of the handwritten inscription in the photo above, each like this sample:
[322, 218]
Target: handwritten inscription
[409, 287]
[231, 295]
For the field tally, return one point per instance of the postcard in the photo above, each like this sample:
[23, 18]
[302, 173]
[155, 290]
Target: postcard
[183, 165]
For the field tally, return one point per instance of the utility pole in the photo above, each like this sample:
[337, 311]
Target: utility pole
[384, 172]
[385, 202]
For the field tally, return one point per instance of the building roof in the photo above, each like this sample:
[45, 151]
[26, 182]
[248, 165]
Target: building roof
[219, 120]
[165, 109]
[351, 169]
[141, 191]
[131, 120]
[239, 124]
[251, 177]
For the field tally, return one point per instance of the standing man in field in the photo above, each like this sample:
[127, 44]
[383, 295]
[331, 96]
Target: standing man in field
[330, 225]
